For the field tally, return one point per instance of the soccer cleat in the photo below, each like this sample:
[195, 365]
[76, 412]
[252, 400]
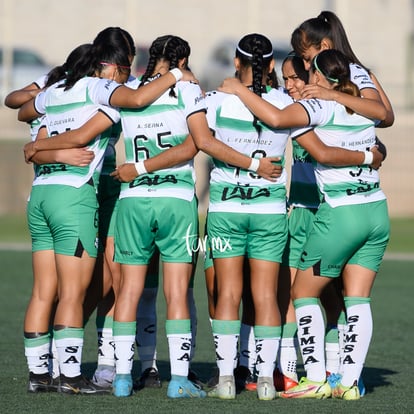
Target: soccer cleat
[333, 379]
[104, 376]
[266, 390]
[42, 383]
[308, 389]
[150, 378]
[225, 389]
[242, 377]
[193, 377]
[213, 381]
[251, 383]
[346, 393]
[122, 385]
[361, 387]
[183, 388]
[79, 385]
[283, 382]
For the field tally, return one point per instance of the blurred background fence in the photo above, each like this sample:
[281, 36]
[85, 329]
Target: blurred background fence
[381, 33]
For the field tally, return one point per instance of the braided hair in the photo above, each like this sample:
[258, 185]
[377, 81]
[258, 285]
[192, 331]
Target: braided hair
[256, 50]
[169, 48]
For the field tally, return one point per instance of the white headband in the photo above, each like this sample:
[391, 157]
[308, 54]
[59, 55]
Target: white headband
[250, 55]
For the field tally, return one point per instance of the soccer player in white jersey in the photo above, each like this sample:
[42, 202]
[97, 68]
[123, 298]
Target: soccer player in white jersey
[247, 215]
[39, 313]
[327, 32]
[353, 217]
[172, 225]
[81, 105]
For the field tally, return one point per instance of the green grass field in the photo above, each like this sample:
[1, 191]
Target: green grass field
[387, 372]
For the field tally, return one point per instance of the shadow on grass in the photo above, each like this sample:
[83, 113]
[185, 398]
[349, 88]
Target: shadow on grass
[373, 377]
[204, 370]
[377, 377]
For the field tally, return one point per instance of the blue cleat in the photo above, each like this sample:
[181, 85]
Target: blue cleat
[361, 387]
[122, 385]
[181, 387]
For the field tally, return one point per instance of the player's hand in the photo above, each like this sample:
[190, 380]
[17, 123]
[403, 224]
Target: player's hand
[188, 76]
[270, 168]
[29, 152]
[316, 91]
[230, 85]
[125, 173]
[79, 157]
[378, 158]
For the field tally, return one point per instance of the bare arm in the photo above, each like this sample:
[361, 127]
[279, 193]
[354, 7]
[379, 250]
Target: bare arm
[205, 142]
[389, 119]
[295, 115]
[79, 157]
[291, 116]
[335, 156]
[369, 106]
[27, 112]
[135, 98]
[74, 138]
[17, 98]
[123, 96]
[173, 156]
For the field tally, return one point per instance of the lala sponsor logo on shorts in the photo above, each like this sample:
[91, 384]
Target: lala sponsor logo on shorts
[196, 244]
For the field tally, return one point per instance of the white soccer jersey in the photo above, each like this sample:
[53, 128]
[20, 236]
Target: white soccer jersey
[153, 129]
[361, 77]
[36, 123]
[335, 127]
[66, 110]
[233, 189]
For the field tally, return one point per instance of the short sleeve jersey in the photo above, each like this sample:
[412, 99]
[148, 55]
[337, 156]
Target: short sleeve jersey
[303, 190]
[109, 162]
[335, 127]
[66, 110]
[233, 189]
[153, 129]
[37, 122]
[360, 77]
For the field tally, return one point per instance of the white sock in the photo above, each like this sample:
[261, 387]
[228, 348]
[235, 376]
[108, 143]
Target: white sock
[267, 347]
[179, 345]
[36, 351]
[226, 336]
[247, 355]
[357, 338]
[332, 349]
[69, 345]
[124, 338]
[341, 335]
[106, 346]
[53, 360]
[288, 354]
[311, 336]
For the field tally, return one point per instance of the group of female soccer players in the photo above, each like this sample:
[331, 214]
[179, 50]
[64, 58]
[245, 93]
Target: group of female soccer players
[330, 245]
